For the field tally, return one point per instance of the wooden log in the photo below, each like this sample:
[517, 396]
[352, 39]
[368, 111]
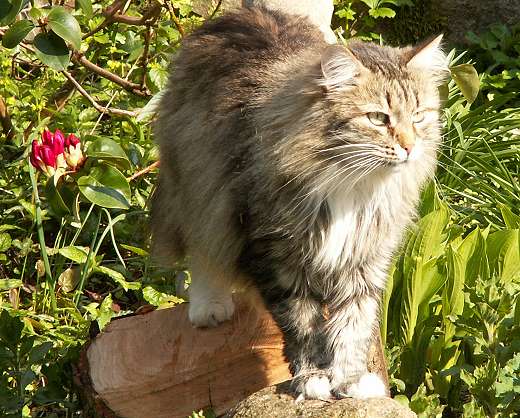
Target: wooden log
[159, 365]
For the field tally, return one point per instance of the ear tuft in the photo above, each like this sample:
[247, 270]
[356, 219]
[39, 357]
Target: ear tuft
[429, 57]
[339, 67]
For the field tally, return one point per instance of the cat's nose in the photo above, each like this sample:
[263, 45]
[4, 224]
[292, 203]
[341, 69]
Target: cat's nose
[408, 148]
[406, 139]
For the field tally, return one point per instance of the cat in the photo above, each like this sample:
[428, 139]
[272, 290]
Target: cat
[294, 166]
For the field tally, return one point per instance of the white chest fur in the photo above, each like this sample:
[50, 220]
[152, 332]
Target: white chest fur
[364, 222]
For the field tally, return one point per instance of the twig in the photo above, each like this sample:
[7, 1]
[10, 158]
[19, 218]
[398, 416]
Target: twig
[5, 120]
[145, 57]
[78, 57]
[108, 13]
[174, 18]
[217, 7]
[144, 171]
[111, 15]
[96, 105]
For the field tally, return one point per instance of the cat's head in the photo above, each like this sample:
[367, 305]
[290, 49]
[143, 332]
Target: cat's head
[383, 104]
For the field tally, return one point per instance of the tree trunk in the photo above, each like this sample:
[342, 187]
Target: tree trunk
[157, 365]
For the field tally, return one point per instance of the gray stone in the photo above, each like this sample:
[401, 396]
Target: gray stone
[278, 402]
[476, 15]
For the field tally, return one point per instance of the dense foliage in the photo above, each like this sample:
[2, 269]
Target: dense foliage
[73, 237]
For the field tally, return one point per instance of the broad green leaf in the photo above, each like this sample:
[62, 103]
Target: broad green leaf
[106, 186]
[75, 253]
[9, 9]
[511, 220]
[474, 255]
[467, 79]
[6, 284]
[381, 12]
[107, 150]
[504, 254]
[157, 298]
[69, 279]
[431, 282]
[16, 33]
[10, 329]
[5, 241]
[86, 6]
[118, 278]
[65, 26]
[39, 352]
[105, 312]
[53, 192]
[52, 51]
[453, 296]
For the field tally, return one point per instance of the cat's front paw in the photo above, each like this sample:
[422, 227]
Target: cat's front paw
[369, 385]
[210, 313]
[315, 387]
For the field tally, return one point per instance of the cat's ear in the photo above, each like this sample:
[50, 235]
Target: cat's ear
[340, 68]
[428, 57]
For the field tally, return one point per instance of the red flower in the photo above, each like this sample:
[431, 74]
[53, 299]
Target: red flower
[55, 151]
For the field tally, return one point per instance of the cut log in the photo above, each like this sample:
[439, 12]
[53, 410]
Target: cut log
[158, 365]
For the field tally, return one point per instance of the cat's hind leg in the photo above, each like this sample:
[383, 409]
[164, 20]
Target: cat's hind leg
[210, 295]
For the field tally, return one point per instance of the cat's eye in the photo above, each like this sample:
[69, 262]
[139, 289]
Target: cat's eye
[418, 117]
[378, 118]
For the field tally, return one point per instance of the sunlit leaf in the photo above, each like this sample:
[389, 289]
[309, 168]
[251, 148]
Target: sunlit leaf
[65, 26]
[106, 186]
[467, 79]
[52, 50]
[16, 33]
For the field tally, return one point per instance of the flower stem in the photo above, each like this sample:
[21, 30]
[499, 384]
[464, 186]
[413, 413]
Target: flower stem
[41, 238]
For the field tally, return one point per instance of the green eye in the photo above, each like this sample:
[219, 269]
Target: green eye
[418, 117]
[378, 118]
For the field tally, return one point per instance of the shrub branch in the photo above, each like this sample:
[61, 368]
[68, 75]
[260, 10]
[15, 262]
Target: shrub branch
[95, 104]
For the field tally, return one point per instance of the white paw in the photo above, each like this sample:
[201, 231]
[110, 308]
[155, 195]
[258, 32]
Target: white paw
[210, 313]
[369, 385]
[317, 387]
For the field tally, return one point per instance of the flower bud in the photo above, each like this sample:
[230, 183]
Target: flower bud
[54, 151]
[58, 142]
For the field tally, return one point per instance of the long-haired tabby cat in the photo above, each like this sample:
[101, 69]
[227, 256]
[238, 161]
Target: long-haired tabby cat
[295, 165]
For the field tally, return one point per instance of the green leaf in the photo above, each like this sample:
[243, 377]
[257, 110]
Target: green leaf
[511, 220]
[135, 250]
[453, 296]
[467, 79]
[118, 278]
[157, 298]
[106, 186]
[5, 241]
[16, 33]
[381, 12]
[53, 192]
[10, 329]
[504, 254]
[69, 279]
[86, 6]
[27, 378]
[38, 353]
[65, 26]
[109, 151]
[52, 51]
[6, 284]
[9, 9]
[105, 312]
[75, 253]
